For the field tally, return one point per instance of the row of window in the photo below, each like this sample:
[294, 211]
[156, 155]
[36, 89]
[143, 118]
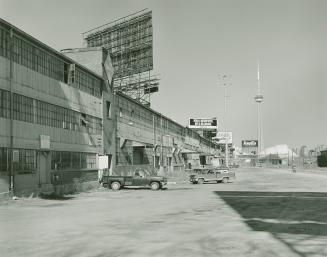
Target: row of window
[35, 111]
[128, 109]
[86, 83]
[133, 112]
[72, 160]
[4, 104]
[35, 58]
[27, 163]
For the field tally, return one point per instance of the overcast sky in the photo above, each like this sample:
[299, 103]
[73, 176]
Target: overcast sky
[196, 41]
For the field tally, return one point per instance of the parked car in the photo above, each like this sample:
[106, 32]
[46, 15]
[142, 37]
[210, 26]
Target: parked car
[234, 165]
[140, 178]
[218, 175]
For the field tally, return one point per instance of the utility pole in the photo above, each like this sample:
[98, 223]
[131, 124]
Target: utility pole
[225, 84]
[154, 141]
[161, 143]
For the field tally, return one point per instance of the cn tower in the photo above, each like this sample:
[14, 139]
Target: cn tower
[259, 99]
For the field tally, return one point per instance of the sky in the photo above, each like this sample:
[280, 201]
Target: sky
[196, 42]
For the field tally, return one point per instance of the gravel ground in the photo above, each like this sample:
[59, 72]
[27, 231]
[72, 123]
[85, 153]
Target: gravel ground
[265, 212]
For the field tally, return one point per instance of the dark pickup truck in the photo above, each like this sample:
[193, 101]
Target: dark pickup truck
[138, 179]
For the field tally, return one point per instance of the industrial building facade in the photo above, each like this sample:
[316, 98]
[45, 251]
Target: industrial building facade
[50, 113]
[143, 136]
[146, 137]
[59, 113]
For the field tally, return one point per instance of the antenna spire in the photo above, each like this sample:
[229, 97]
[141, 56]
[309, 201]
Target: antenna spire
[258, 76]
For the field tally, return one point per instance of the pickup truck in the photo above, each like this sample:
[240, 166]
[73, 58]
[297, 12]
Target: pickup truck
[138, 179]
[218, 175]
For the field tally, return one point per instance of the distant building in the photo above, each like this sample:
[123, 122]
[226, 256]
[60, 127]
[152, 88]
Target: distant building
[278, 155]
[322, 159]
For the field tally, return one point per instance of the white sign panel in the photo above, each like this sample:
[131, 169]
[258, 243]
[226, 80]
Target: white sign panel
[203, 123]
[221, 136]
[44, 142]
[249, 143]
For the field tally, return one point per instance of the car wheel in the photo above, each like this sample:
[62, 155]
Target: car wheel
[225, 180]
[201, 181]
[155, 186]
[115, 186]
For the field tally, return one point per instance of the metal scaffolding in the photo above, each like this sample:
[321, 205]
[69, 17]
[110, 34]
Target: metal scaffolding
[129, 41]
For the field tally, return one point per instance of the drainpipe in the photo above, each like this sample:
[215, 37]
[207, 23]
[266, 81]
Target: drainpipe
[11, 176]
[154, 141]
[161, 143]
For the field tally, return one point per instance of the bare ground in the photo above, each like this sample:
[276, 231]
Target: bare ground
[263, 213]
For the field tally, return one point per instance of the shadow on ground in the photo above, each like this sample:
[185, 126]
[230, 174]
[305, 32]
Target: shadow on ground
[55, 197]
[149, 189]
[298, 214]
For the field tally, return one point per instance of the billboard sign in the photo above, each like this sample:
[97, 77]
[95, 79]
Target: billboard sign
[129, 41]
[203, 123]
[222, 135]
[249, 143]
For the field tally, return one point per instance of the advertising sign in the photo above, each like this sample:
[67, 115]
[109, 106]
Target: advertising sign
[221, 136]
[202, 123]
[129, 41]
[249, 143]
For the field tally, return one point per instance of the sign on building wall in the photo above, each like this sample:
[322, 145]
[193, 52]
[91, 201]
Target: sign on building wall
[202, 123]
[44, 142]
[249, 143]
[222, 135]
[15, 156]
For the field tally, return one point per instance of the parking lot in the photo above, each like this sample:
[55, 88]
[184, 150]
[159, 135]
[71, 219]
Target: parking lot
[265, 212]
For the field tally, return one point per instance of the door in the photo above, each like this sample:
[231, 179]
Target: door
[169, 159]
[139, 178]
[138, 155]
[219, 175]
[202, 160]
[109, 163]
[42, 167]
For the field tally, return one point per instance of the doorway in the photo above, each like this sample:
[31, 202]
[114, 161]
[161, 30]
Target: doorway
[42, 167]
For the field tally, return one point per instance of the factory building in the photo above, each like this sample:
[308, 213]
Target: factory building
[143, 137]
[59, 115]
[146, 137]
[51, 115]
